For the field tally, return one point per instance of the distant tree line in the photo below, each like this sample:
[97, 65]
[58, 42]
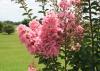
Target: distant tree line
[7, 27]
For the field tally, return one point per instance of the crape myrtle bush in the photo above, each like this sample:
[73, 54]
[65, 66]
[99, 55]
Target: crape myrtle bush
[60, 37]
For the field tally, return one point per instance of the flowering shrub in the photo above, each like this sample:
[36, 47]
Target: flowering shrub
[56, 30]
[42, 39]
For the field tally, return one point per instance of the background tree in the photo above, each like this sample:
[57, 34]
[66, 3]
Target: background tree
[91, 57]
[1, 26]
[7, 28]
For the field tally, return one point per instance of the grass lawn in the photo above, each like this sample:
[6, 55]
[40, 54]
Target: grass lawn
[13, 55]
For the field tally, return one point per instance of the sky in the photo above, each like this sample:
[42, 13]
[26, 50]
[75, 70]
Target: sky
[11, 11]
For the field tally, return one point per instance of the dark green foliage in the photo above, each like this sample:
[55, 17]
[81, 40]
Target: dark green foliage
[51, 64]
[25, 22]
[1, 26]
[8, 29]
[90, 51]
[9, 22]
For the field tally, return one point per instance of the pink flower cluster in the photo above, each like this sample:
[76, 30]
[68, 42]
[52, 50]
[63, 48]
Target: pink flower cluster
[69, 21]
[79, 30]
[50, 36]
[64, 4]
[42, 39]
[45, 39]
[27, 36]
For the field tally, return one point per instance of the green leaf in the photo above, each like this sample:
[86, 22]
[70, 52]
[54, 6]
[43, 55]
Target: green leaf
[94, 3]
[30, 14]
[46, 9]
[94, 19]
[25, 13]
[94, 13]
[29, 10]
[21, 6]
[86, 17]
[85, 10]
[41, 12]
[34, 17]
[86, 3]
[94, 7]
[40, 0]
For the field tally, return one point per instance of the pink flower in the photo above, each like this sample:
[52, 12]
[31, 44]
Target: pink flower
[76, 1]
[61, 15]
[42, 39]
[71, 16]
[30, 68]
[64, 4]
[34, 25]
[49, 36]
[27, 36]
[79, 30]
[22, 32]
[45, 39]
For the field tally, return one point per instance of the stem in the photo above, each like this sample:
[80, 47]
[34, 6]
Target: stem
[92, 40]
[65, 41]
[65, 51]
[26, 10]
[55, 5]
[65, 45]
[43, 7]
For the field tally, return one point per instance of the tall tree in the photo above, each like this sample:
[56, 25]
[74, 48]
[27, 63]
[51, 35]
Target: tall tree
[91, 10]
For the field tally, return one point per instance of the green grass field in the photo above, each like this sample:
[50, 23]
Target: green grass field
[13, 55]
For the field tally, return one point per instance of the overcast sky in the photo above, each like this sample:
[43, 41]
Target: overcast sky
[11, 11]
